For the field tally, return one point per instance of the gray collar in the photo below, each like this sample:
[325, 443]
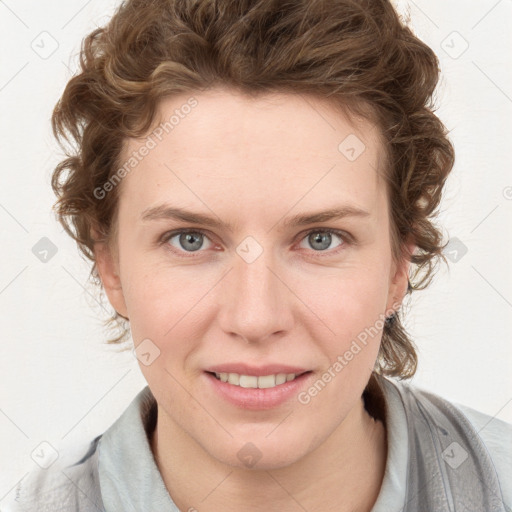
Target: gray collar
[130, 479]
[425, 433]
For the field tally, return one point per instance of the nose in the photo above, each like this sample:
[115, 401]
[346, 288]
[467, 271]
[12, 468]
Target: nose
[256, 303]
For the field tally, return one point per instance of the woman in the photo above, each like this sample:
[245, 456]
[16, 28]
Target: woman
[255, 184]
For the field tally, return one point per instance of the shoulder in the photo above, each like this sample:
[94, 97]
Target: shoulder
[496, 435]
[459, 432]
[68, 485]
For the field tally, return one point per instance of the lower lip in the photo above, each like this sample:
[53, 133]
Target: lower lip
[257, 399]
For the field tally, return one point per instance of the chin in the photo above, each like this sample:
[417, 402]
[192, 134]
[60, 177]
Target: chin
[259, 452]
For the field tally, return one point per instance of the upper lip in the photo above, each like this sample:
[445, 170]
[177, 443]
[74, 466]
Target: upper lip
[257, 371]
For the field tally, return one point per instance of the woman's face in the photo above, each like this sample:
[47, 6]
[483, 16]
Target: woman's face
[255, 288]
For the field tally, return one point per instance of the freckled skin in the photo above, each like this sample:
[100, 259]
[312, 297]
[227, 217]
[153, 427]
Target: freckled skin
[255, 162]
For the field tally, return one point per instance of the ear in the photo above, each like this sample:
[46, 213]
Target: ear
[399, 279]
[107, 264]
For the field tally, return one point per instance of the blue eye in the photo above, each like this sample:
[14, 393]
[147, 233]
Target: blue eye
[321, 240]
[187, 241]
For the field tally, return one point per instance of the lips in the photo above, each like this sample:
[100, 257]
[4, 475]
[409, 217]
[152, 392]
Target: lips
[260, 387]
[257, 371]
[244, 394]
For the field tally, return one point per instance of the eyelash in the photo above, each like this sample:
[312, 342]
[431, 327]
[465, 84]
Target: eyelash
[345, 237]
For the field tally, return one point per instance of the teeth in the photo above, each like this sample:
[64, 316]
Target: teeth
[266, 381]
[280, 378]
[234, 378]
[248, 381]
[251, 381]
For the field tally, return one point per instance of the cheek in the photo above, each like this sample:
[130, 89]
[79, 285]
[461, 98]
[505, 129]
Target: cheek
[158, 301]
[348, 299]
[167, 312]
[348, 319]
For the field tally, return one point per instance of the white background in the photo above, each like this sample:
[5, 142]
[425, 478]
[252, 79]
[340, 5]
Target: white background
[60, 384]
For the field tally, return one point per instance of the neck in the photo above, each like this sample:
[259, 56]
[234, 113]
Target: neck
[344, 473]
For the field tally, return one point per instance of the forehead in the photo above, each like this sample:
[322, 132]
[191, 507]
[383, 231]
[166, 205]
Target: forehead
[232, 148]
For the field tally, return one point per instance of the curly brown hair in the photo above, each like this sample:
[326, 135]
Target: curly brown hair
[357, 54]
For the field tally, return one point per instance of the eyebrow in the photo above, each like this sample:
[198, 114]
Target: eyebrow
[165, 211]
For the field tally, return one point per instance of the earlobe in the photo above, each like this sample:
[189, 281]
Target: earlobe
[108, 270]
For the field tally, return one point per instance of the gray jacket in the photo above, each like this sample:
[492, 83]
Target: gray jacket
[446, 464]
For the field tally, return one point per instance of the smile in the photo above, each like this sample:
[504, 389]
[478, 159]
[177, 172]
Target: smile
[252, 381]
